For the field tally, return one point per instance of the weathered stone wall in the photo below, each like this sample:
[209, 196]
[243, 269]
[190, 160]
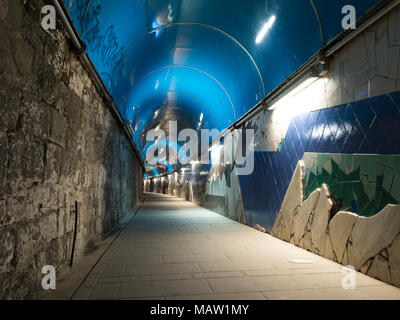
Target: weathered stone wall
[59, 144]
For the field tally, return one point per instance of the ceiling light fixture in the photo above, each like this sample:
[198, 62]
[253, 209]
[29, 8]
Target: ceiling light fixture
[268, 25]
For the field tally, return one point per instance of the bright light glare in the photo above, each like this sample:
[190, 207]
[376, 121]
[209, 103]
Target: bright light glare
[201, 117]
[308, 96]
[305, 84]
[216, 153]
[268, 25]
[156, 24]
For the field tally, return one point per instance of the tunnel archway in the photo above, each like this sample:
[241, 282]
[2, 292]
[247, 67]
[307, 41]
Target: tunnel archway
[306, 146]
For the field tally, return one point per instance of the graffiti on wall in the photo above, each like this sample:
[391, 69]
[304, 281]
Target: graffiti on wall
[102, 43]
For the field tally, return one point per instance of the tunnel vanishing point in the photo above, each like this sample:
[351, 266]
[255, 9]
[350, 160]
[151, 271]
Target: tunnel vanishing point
[206, 149]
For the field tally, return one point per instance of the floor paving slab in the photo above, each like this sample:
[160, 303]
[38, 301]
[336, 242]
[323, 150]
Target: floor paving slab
[176, 250]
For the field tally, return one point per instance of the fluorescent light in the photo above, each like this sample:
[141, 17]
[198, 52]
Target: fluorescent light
[305, 84]
[201, 117]
[265, 28]
[306, 97]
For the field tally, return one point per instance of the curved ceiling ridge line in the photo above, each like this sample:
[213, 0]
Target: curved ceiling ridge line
[317, 15]
[84, 16]
[187, 93]
[191, 68]
[134, 41]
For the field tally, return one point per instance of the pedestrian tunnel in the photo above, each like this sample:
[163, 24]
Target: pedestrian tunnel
[280, 115]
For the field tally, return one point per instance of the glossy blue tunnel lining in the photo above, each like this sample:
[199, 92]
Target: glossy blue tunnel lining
[137, 38]
[161, 51]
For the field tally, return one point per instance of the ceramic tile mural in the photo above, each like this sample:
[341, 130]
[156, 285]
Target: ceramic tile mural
[363, 184]
[368, 127]
[356, 150]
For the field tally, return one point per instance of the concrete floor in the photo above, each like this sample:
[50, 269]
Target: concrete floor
[174, 249]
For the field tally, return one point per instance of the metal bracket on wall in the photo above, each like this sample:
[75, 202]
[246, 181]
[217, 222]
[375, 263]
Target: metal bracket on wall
[74, 211]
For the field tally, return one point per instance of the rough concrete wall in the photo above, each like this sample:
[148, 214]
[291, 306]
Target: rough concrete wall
[59, 144]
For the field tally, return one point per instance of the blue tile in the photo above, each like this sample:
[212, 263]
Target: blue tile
[366, 147]
[340, 111]
[317, 131]
[386, 146]
[395, 96]
[373, 102]
[325, 140]
[354, 131]
[364, 114]
[308, 128]
[347, 146]
[388, 114]
[297, 144]
[369, 126]
[357, 135]
[377, 134]
[347, 115]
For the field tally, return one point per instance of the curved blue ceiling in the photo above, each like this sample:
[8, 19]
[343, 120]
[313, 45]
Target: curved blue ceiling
[190, 59]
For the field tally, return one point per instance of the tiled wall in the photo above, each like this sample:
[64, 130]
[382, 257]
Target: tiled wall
[369, 66]
[216, 189]
[363, 133]
[365, 127]
[222, 195]
[363, 184]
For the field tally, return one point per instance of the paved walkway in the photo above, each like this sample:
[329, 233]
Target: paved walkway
[176, 250]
